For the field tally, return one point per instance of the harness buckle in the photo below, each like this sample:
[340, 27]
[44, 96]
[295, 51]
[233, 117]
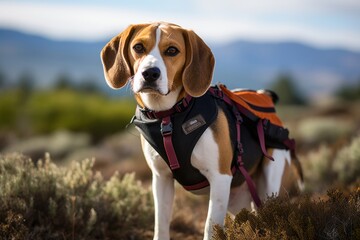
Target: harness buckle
[166, 129]
[237, 114]
[238, 117]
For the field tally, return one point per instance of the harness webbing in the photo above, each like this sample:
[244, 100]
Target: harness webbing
[166, 132]
[179, 107]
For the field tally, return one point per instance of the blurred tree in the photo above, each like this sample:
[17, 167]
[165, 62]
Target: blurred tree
[349, 92]
[286, 89]
[3, 80]
[26, 85]
[89, 85]
[63, 81]
[26, 82]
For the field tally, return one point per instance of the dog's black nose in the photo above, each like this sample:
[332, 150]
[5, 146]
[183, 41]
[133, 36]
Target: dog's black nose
[151, 74]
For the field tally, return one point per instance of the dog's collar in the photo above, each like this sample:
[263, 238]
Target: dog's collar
[177, 108]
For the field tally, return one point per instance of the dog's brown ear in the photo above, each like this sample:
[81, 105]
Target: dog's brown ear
[115, 59]
[199, 65]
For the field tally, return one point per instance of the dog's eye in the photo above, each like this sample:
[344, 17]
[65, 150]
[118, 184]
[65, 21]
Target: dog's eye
[139, 48]
[171, 51]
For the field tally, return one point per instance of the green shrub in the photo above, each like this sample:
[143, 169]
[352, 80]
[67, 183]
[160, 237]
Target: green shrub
[303, 218]
[349, 92]
[80, 112]
[43, 201]
[8, 109]
[347, 163]
[47, 111]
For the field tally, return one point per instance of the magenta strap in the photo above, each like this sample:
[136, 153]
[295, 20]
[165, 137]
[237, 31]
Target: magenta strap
[197, 186]
[260, 131]
[179, 107]
[249, 182]
[240, 163]
[166, 132]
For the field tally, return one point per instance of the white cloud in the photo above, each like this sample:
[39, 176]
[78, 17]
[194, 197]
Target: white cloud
[66, 21]
[290, 6]
[212, 19]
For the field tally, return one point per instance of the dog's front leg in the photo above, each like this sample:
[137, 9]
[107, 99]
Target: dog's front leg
[163, 191]
[218, 203]
[206, 158]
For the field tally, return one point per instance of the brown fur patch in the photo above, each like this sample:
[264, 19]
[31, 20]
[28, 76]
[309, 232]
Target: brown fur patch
[171, 36]
[222, 137]
[146, 35]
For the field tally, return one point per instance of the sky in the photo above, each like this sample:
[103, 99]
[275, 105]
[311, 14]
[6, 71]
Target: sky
[321, 23]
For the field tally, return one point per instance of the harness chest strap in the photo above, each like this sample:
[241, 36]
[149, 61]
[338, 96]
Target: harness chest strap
[166, 132]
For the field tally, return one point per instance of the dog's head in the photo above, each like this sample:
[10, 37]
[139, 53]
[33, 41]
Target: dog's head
[159, 59]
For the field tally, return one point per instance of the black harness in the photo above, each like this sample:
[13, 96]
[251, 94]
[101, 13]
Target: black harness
[188, 124]
[187, 127]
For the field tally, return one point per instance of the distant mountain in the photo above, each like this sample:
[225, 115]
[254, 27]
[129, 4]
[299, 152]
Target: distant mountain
[257, 64]
[238, 64]
[46, 59]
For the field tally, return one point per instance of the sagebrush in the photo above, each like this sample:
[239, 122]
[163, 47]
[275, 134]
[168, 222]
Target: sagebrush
[347, 163]
[43, 201]
[327, 165]
[337, 217]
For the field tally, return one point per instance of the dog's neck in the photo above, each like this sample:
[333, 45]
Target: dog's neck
[157, 102]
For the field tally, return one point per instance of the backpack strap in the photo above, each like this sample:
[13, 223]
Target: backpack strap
[240, 163]
[260, 132]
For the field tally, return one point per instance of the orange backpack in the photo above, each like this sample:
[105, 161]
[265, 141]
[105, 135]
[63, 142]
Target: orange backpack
[259, 103]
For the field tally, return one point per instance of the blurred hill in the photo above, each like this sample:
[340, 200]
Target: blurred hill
[238, 64]
[46, 59]
[257, 65]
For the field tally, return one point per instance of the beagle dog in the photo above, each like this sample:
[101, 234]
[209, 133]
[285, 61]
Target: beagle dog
[164, 63]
